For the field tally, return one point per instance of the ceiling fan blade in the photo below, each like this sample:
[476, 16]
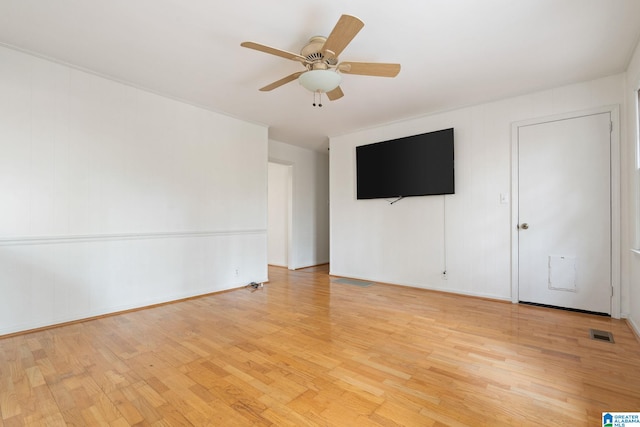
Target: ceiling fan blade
[341, 35]
[282, 81]
[274, 51]
[377, 69]
[335, 94]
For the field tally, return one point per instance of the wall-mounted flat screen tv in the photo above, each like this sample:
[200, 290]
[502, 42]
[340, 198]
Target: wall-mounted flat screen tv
[418, 165]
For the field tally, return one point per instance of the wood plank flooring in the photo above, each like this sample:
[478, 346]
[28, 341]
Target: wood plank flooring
[304, 351]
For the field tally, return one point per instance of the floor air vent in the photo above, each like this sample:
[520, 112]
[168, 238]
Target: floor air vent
[601, 335]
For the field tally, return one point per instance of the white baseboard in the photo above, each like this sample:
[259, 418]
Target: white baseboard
[634, 327]
[426, 287]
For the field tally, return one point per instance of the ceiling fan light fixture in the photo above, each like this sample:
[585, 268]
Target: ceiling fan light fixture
[320, 80]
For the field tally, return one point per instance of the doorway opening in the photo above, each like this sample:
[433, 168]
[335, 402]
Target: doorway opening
[279, 223]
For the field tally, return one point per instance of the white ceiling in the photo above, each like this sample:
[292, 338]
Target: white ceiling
[453, 52]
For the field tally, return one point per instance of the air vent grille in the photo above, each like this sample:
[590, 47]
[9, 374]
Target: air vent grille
[598, 335]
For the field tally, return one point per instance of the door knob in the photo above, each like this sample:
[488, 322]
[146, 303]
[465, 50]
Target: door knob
[524, 226]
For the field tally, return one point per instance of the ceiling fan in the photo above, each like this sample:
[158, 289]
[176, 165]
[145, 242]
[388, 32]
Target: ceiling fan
[320, 58]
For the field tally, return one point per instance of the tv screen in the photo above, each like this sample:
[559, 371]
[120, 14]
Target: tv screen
[418, 165]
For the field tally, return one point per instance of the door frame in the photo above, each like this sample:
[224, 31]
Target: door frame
[613, 110]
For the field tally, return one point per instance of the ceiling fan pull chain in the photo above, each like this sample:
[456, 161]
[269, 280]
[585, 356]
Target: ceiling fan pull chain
[319, 103]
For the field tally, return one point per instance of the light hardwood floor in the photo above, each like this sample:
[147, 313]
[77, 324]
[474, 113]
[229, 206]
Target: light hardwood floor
[305, 350]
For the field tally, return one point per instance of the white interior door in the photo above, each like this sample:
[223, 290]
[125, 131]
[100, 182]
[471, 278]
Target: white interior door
[564, 213]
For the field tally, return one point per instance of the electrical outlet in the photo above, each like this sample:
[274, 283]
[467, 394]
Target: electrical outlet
[444, 275]
[237, 272]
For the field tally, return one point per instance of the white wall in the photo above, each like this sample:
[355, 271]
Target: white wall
[630, 181]
[279, 206]
[310, 231]
[404, 243]
[114, 198]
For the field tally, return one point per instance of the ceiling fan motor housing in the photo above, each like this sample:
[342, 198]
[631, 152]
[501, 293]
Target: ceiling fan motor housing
[312, 51]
